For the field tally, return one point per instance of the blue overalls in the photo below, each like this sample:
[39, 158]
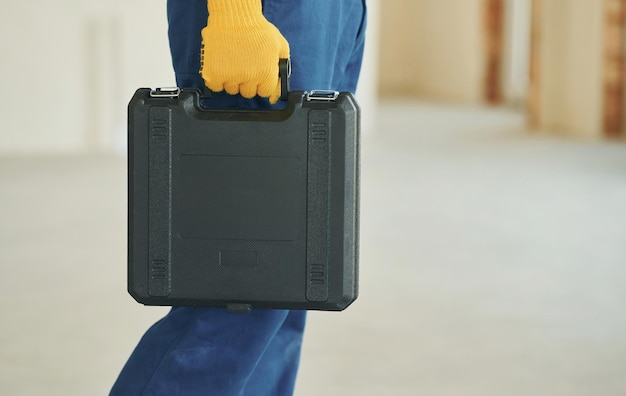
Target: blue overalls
[211, 351]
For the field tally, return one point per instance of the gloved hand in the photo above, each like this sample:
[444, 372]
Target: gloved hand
[241, 49]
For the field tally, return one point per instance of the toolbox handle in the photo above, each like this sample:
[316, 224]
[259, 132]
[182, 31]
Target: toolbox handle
[284, 72]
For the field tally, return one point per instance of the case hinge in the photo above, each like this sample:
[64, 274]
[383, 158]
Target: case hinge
[169, 92]
[321, 95]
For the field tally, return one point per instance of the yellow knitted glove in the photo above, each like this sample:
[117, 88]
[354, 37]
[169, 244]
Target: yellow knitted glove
[241, 49]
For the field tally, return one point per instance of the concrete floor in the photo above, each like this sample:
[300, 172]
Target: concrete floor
[493, 263]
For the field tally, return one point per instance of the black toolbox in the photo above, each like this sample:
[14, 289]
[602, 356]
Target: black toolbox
[243, 208]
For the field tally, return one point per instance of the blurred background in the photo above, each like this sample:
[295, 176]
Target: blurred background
[493, 248]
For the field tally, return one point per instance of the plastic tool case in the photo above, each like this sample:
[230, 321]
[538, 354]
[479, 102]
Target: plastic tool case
[243, 208]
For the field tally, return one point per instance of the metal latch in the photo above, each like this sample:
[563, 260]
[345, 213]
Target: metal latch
[169, 92]
[321, 95]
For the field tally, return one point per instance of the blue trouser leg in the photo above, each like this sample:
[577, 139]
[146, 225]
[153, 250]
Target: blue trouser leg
[275, 373]
[200, 351]
[210, 351]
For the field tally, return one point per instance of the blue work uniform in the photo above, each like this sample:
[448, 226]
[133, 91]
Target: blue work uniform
[211, 351]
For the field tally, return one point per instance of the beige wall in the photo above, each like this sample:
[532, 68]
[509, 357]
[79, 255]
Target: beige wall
[516, 51]
[571, 67]
[37, 74]
[69, 68]
[432, 49]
